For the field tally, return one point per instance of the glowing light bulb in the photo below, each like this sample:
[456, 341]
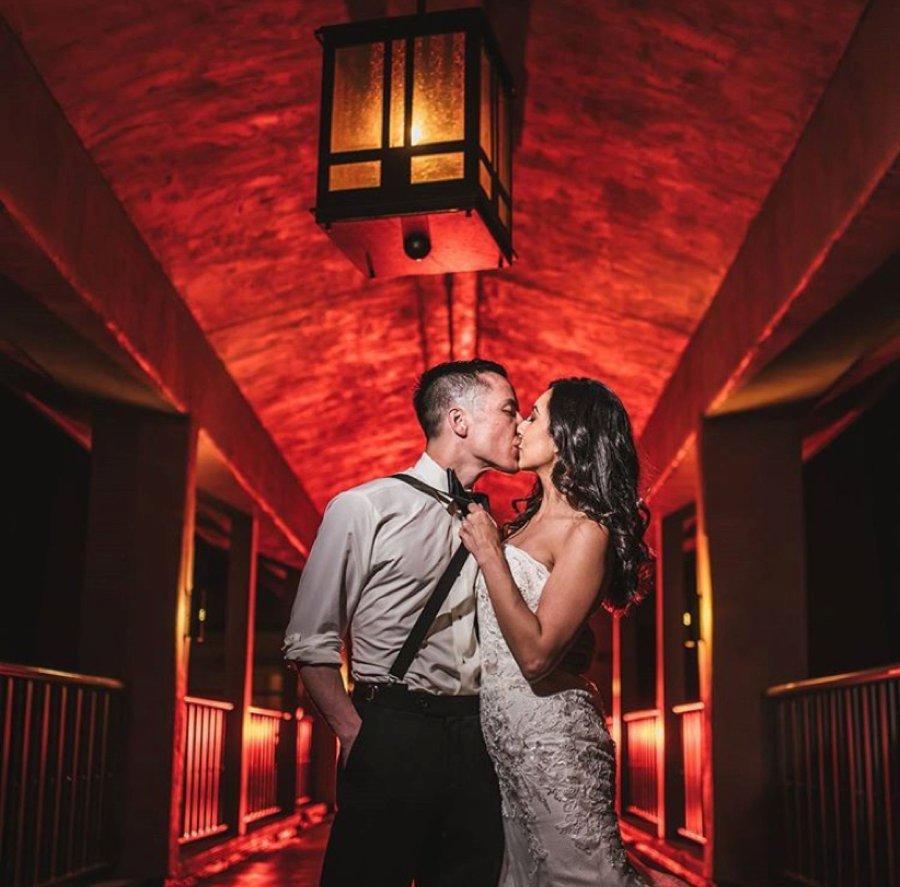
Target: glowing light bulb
[415, 133]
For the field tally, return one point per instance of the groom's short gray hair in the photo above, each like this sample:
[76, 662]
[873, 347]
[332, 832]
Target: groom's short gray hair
[446, 384]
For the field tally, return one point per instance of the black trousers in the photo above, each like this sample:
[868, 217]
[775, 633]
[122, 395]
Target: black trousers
[417, 799]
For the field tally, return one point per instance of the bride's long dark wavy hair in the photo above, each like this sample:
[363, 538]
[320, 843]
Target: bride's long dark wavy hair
[597, 471]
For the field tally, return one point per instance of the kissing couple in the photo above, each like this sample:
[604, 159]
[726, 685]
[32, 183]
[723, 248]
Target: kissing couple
[472, 750]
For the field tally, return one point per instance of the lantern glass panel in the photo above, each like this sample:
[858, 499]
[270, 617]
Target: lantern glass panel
[486, 115]
[438, 112]
[356, 105]
[436, 167]
[503, 138]
[344, 176]
[484, 178]
[398, 82]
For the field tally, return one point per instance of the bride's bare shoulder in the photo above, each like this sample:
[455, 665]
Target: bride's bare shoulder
[579, 535]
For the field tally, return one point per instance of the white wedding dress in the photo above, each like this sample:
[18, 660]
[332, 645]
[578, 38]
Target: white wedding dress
[555, 761]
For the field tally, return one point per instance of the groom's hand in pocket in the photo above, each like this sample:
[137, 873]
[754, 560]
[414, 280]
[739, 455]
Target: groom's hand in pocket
[347, 739]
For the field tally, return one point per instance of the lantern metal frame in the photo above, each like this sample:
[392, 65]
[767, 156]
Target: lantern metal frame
[397, 195]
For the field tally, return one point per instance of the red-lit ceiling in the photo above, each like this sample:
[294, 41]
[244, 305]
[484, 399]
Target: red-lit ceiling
[652, 131]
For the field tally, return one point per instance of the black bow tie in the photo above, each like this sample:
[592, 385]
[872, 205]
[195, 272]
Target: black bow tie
[463, 497]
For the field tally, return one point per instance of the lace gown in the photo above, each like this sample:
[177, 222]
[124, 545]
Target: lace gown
[555, 761]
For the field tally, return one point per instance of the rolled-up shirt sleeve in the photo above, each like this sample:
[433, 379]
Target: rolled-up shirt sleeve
[332, 581]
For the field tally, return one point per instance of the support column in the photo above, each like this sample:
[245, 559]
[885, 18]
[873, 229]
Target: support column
[137, 579]
[670, 666]
[753, 622]
[239, 632]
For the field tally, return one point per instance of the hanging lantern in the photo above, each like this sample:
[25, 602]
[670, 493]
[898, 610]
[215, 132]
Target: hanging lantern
[415, 171]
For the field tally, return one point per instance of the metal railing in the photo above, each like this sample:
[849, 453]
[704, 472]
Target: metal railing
[203, 805]
[202, 812]
[56, 773]
[641, 738]
[691, 717]
[262, 776]
[837, 743]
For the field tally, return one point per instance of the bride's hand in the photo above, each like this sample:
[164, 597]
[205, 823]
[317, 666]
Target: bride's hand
[480, 534]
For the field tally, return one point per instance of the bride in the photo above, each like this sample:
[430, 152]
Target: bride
[577, 544]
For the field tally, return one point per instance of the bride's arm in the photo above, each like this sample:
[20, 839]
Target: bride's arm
[538, 640]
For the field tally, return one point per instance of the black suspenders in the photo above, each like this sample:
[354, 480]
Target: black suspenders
[409, 649]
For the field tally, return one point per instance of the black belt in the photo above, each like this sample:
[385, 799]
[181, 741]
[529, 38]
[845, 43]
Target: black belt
[402, 698]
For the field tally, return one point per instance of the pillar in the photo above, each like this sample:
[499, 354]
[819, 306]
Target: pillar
[753, 622]
[671, 600]
[135, 616]
[239, 631]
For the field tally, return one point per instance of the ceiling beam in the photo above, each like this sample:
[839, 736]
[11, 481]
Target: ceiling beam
[840, 180]
[70, 244]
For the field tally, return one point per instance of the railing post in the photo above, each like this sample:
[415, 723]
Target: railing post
[239, 632]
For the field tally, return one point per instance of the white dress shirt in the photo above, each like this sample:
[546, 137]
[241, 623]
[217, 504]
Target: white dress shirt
[379, 553]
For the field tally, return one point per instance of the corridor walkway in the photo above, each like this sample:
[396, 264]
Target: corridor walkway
[296, 864]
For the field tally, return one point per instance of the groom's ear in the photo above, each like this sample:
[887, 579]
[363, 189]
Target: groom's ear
[459, 421]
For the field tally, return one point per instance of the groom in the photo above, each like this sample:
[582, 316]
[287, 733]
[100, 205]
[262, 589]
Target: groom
[417, 795]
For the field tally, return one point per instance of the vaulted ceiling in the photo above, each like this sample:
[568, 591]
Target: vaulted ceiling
[651, 132]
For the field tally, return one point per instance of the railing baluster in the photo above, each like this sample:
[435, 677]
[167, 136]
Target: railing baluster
[797, 830]
[23, 782]
[869, 781]
[4, 760]
[217, 760]
[73, 778]
[839, 807]
[885, 692]
[201, 824]
[822, 830]
[808, 783]
[98, 847]
[42, 772]
[89, 773]
[60, 764]
[190, 824]
[852, 745]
